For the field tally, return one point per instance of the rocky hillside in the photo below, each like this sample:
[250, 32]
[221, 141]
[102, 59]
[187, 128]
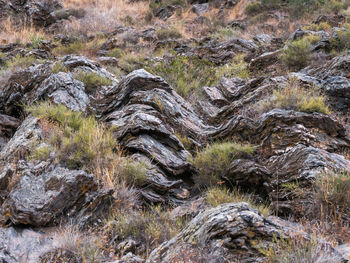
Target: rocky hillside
[159, 131]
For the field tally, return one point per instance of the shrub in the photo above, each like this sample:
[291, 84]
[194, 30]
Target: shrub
[92, 80]
[296, 54]
[78, 141]
[318, 27]
[115, 52]
[134, 173]
[168, 33]
[59, 67]
[20, 62]
[295, 97]
[131, 62]
[332, 194]
[72, 48]
[238, 68]
[213, 160]
[342, 41]
[219, 195]
[252, 8]
[36, 40]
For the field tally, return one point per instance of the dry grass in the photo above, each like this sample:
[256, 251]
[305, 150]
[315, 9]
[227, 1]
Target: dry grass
[103, 15]
[10, 33]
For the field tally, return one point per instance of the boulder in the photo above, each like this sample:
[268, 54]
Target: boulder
[41, 199]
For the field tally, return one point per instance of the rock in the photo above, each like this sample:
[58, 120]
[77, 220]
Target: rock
[65, 13]
[129, 258]
[60, 256]
[40, 200]
[226, 233]
[333, 78]
[108, 61]
[265, 61]
[222, 52]
[332, 20]
[200, 9]
[37, 13]
[164, 12]
[301, 165]
[21, 143]
[23, 245]
[8, 125]
[249, 176]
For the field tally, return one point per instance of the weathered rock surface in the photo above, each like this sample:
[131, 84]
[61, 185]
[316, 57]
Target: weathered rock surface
[226, 233]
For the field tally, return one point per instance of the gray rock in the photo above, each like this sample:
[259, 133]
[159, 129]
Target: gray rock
[39, 200]
[200, 9]
[222, 234]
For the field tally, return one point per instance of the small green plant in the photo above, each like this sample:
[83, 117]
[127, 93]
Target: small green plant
[179, 72]
[72, 48]
[253, 8]
[225, 33]
[213, 160]
[115, 52]
[295, 97]
[134, 173]
[296, 54]
[59, 67]
[131, 62]
[238, 68]
[342, 41]
[318, 27]
[36, 40]
[78, 141]
[168, 33]
[20, 62]
[92, 80]
[41, 153]
[220, 195]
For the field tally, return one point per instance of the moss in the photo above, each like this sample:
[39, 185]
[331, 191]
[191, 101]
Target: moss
[213, 160]
[92, 80]
[219, 195]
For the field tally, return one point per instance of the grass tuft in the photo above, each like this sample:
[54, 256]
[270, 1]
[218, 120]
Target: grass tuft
[213, 160]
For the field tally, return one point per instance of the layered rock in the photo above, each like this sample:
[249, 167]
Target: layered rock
[227, 233]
